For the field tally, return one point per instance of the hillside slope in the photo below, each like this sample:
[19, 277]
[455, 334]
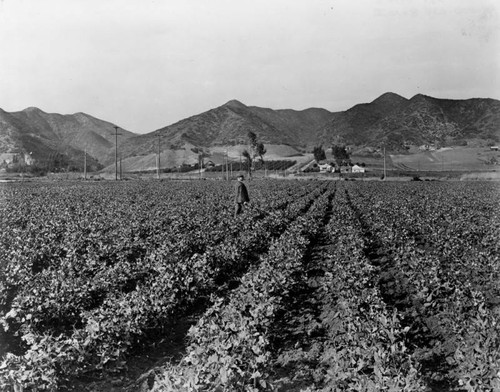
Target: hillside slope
[225, 125]
[396, 122]
[390, 120]
[45, 134]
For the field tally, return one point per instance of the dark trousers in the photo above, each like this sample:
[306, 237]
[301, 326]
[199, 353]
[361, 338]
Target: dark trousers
[238, 208]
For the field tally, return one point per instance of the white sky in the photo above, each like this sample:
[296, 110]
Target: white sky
[145, 64]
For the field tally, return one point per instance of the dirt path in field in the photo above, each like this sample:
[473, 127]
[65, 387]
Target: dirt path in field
[297, 337]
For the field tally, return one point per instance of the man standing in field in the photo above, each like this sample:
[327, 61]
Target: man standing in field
[241, 195]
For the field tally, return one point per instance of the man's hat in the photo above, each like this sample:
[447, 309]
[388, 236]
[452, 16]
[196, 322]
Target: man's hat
[241, 176]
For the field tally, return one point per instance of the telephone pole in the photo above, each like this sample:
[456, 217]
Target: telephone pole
[385, 175]
[199, 165]
[116, 152]
[158, 160]
[85, 165]
[222, 167]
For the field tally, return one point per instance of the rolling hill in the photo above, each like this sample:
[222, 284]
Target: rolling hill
[46, 135]
[390, 120]
[396, 122]
[229, 124]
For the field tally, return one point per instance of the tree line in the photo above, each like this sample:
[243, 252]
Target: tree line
[341, 156]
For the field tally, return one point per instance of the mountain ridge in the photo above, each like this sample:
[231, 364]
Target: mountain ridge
[45, 135]
[390, 119]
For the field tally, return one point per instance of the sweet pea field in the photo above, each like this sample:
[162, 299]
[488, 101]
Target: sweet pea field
[317, 286]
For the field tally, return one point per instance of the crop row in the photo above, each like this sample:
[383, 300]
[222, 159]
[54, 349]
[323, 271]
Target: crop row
[363, 344]
[68, 329]
[400, 307]
[408, 291]
[90, 237]
[440, 271]
[93, 234]
[229, 346]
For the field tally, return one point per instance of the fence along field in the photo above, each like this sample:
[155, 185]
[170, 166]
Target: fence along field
[319, 286]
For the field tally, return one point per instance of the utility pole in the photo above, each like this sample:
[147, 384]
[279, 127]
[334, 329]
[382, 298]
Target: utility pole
[227, 168]
[222, 168]
[120, 167]
[158, 159]
[385, 175]
[85, 165]
[116, 152]
[200, 163]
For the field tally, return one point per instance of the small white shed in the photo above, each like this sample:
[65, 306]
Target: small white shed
[358, 169]
[325, 168]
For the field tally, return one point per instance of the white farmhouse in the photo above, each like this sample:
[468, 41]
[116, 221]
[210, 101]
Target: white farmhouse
[358, 169]
[325, 168]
